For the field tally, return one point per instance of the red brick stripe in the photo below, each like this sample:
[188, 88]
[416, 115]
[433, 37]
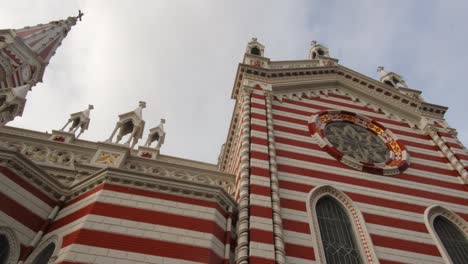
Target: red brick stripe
[298, 251]
[141, 245]
[20, 213]
[405, 245]
[143, 215]
[28, 187]
[371, 184]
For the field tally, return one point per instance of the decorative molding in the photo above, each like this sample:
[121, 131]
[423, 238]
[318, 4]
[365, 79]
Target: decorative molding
[365, 244]
[433, 132]
[13, 243]
[224, 181]
[436, 210]
[180, 180]
[275, 194]
[242, 250]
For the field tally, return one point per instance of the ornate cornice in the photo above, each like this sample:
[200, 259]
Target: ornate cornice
[60, 168]
[290, 78]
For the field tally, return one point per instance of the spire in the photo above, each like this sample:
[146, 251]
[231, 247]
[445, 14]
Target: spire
[391, 78]
[12, 102]
[129, 123]
[44, 40]
[79, 120]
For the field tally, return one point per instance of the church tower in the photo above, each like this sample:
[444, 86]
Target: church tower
[321, 164]
[333, 166]
[24, 56]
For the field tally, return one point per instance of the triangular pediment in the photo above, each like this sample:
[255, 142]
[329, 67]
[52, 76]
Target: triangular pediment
[372, 100]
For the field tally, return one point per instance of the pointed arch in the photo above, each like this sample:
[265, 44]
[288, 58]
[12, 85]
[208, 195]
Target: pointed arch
[46, 251]
[356, 222]
[445, 227]
[11, 252]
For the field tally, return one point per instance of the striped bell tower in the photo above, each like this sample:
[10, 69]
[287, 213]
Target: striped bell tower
[24, 56]
[333, 166]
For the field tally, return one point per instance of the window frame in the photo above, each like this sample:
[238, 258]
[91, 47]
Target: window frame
[361, 235]
[50, 240]
[436, 210]
[13, 243]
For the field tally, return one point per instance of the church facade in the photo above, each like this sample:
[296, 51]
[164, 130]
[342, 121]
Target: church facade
[321, 164]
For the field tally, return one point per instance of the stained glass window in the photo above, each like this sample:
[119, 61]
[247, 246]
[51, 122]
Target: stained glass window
[453, 239]
[337, 234]
[4, 249]
[357, 142]
[45, 255]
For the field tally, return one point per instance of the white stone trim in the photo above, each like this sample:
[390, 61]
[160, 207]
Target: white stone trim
[56, 240]
[14, 244]
[431, 213]
[364, 242]
[242, 232]
[275, 193]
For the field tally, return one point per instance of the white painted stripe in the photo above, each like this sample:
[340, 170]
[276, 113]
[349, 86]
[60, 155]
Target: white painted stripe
[399, 233]
[261, 223]
[298, 238]
[262, 250]
[77, 205]
[292, 260]
[148, 203]
[405, 256]
[160, 205]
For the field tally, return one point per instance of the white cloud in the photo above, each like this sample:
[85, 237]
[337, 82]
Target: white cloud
[181, 57]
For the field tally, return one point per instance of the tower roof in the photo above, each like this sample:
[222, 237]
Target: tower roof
[44, 39]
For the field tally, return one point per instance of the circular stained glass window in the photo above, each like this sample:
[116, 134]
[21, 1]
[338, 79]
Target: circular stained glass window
[357, 142]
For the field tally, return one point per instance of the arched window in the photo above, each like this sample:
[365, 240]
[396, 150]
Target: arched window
[4, 249]
[453, 239]
[337, 234]
[255, 51]
[450, 232]
[45, 255]
[338, 228]
[9, 246]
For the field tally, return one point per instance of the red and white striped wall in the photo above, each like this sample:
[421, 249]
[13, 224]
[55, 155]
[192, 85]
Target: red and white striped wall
[24, 208]
[393, 206]
[130, 225]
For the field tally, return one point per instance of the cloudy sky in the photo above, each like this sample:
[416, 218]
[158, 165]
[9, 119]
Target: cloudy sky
[181, 57]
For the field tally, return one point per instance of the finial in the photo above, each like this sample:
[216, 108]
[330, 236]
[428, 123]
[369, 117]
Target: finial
[80, 15]
[142, 104]
[313, 42]
[254, 39]
[90, 107]
[380, 68]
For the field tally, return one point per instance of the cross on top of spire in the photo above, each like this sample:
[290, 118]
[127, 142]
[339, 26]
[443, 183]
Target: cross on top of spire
[80, 15]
